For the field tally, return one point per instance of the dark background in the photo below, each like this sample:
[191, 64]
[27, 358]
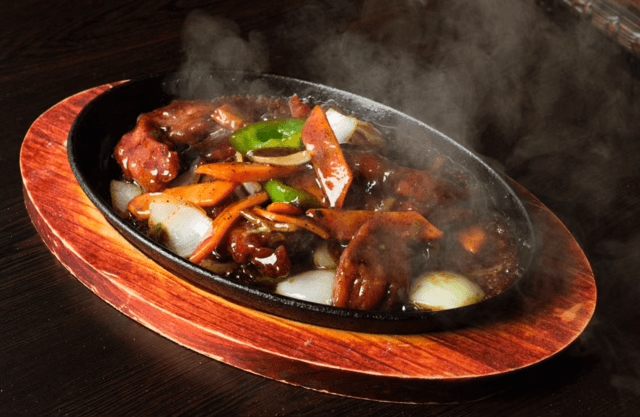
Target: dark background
[529, 85]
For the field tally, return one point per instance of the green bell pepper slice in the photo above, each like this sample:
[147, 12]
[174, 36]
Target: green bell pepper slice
[273, 134]
[281, 193]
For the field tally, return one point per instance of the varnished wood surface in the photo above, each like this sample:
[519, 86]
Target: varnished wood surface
[64, 351]
[558, 306]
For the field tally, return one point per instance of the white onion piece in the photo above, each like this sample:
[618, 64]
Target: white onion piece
[122, 193]
[297, 158]
[185, 224]
[343, 126]
[323, 258]
[315, 286]
[252, 187]
[444, 290]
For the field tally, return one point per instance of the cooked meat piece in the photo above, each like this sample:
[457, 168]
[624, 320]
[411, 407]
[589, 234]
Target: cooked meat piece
[263, 249]
[375, 269]
[423, 187]
[497, 262]
[216, 147]
[493, 264]
[273, 263]
[384, 180]
[149, 162]
[185, 122]
[367, 165]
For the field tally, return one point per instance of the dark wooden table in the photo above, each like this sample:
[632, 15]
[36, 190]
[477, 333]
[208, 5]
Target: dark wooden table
[537, 91]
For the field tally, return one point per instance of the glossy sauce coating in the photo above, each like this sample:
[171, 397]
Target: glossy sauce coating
[378, 253]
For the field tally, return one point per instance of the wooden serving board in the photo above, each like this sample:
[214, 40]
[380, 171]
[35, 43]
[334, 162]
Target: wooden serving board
[436, 367]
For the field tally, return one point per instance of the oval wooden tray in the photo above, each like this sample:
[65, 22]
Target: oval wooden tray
[408, 368]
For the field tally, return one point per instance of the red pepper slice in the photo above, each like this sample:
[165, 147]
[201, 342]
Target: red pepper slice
[344, 224]
[327, 158]
[298, 108]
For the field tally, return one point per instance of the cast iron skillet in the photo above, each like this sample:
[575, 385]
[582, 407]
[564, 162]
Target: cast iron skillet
[103, 122]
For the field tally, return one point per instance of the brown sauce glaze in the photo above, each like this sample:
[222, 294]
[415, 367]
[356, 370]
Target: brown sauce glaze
[376, 267]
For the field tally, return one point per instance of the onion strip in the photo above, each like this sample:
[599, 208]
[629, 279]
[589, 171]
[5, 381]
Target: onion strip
[305, 223]
[293, 159]
[268, 225]
[342, 126]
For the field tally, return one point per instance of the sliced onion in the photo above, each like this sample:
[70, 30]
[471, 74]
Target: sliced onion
[444, 290]
[122, 193]
[267, 225]
[252, 187]
[297, 158]
[343, 126]
[184, 224]
[315, 286]
[323, 258]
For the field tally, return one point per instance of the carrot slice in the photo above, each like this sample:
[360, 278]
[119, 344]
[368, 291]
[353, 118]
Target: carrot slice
[223, 223]
[472, 239]
[298, 221]
[139, 206]
[284, 208]
[343, 224]
[245, 171]
[203, 195]
[298, 108]
[327, 158]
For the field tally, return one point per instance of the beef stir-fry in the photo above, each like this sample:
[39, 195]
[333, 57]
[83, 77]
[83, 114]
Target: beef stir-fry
[305, 201]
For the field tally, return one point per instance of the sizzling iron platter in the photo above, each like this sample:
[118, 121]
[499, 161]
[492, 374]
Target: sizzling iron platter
[102, 123]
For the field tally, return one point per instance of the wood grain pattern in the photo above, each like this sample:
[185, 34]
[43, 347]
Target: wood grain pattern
[413, 368]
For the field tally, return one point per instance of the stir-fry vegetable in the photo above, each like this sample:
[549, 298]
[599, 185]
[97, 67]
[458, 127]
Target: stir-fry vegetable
[284, 208]
[315, 286]
[204, 195]
[180, 224]
[303, 222]
[444, 291]
[344, 224]
[223, 222]
[273, 134]
[281, 193]
[328, 160]
[307, 205]
[342, 126]
[122, 193]
[292, 159]
[298, 108]
[243, 172]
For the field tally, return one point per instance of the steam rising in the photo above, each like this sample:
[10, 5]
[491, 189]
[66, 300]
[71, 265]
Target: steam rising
[544, 97]
[215, 43]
